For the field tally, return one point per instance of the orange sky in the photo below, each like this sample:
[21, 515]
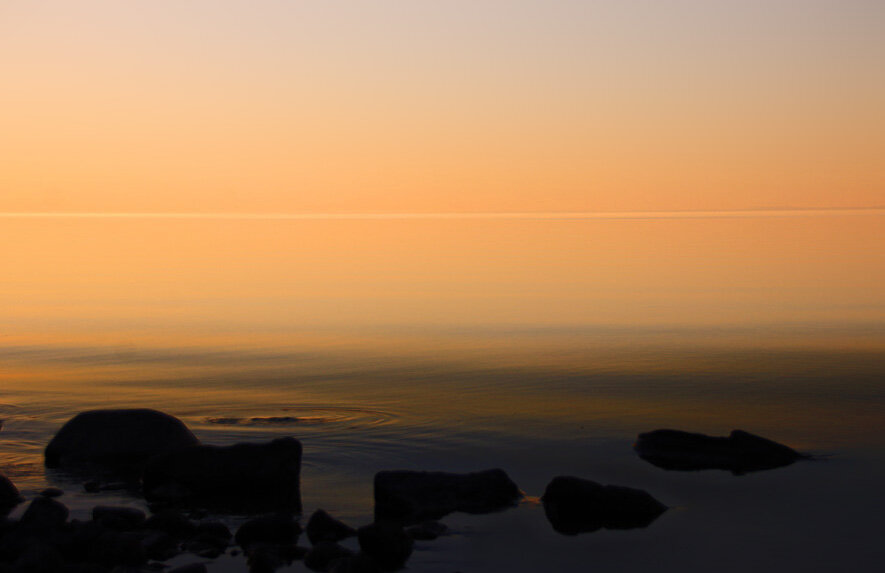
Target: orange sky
[440, 106]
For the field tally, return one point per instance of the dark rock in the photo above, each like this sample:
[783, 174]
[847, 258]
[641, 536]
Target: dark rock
[204, 548]
[39, 557]
[386, 543]
[118, 548]
[268, 557]
[111, 436]
[430, 495]
[324, 527]
[740, 452]
[44, 515]
[209, 540]
[173, 523]
[574, 505]
[240, 476]
[92, 486]
[214, 529]
[52, 492]
[279, 529]
[9, 496]
[119, 518]
[427, 530]
[192, 568]
[160, 546]
[323, 553]
[356, 564]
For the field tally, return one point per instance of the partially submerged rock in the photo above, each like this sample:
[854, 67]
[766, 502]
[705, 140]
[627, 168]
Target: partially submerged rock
[9, 496]
[740, 452]
[411, 495]
[574, 505]
[249, 476]
[114, 436]
[324, 527]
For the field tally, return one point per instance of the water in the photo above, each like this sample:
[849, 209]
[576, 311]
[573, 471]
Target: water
[539, 345]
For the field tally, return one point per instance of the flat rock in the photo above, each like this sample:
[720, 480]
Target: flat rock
[240, 476]
[412, 495]
[113, 436]
[741, 452]
[574, 505]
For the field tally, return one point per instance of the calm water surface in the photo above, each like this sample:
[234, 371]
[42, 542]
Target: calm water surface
[539, 346]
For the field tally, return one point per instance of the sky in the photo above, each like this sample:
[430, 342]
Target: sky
[457, 106]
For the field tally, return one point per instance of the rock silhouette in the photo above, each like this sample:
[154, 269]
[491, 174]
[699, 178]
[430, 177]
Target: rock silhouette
[741, 452]
[411, 495]
[117, 436]
[242, 476]
[574, 505]
[9, 496]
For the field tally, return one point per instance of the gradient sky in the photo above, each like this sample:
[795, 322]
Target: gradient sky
[493, 105]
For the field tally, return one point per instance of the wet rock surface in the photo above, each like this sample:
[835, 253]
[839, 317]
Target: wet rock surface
[740, 452]
[574, 505]
[116, 436]
[416, 496]
[242, 477]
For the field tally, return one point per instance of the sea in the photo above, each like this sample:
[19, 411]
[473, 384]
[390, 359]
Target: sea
[538, 343]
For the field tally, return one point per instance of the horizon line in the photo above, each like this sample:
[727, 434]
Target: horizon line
[529, 215]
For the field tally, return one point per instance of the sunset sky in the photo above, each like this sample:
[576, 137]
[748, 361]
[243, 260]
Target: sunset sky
[450, 106]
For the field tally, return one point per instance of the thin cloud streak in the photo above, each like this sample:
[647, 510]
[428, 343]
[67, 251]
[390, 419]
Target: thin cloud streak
[554, 215]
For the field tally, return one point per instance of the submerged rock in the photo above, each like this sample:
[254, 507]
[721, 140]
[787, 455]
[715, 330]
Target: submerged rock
[386, 543]
[9, 496]
[112, 436]
[574, 505]
[740, 452]
[414, 495]
[240, 476]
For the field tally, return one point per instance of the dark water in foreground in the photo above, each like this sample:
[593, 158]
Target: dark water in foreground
[204, 328]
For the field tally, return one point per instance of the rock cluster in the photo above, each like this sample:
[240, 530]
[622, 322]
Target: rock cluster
[44, 540]
[176, 472]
